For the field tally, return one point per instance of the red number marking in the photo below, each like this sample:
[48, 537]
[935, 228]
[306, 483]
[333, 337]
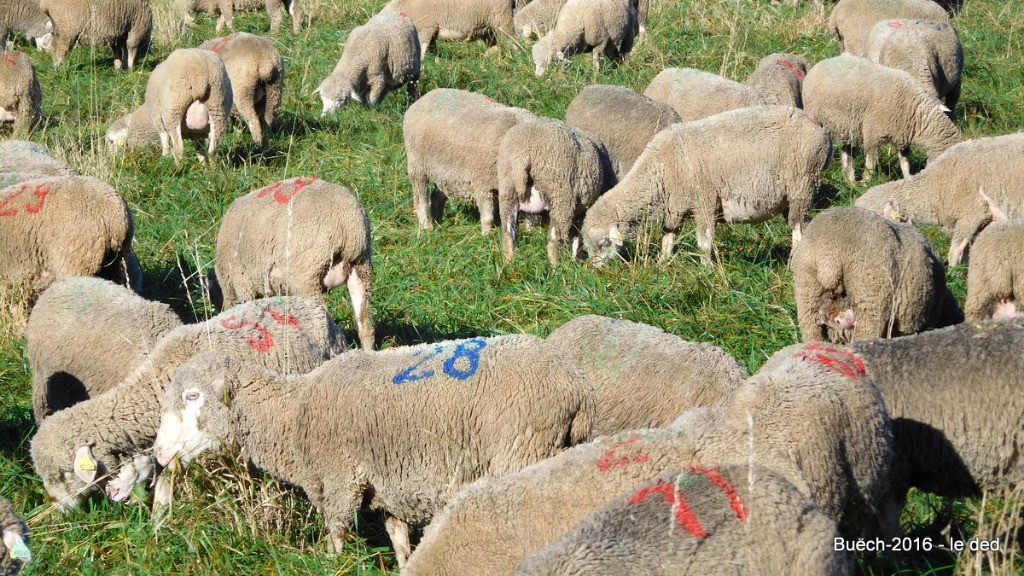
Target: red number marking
[685, 516]
[263, 344]
[834, 359]
[403, 15]
[895, 24]
[799, 73]
[221, 44]
[40, 191]
[283, 197]
[714, 474]
[12, 57]
[785, 63]
[609, 460]
[282, 318]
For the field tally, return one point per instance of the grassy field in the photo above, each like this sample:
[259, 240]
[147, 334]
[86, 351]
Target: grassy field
[452, 281]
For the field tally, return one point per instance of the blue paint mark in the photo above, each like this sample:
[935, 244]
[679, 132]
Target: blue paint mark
[461, 365]
[410, 374]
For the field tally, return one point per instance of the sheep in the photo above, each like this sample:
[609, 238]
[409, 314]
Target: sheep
[726, 520]
[21, 98]
[538, 18]
[597, 26]
[76, 450]
[621, 119]
[21, 160]
[852, 20]
[256, 70]
[962, 190]
[225, 11]
[995, 278]
[547, 165]
[65, 226]
[859, 276]
[379, 56]
[23, 16]
[190, 94]
[124, 25]
[458, 20]
[401, 430]
[779, 78]
[452, 138]
[864, 104]
[14, 552]
[816, 420]
[276, 240]
[695, 94]
[134, 130]
[929, 51]
[641, 376]
[84, 336]
[739, 166]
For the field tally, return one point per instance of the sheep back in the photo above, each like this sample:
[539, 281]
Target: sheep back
[995, 278]
[927, 50]
[695, 94]
[187, 76]
[458, 20]
[125, 26]
[21, 160]
[779, 78]
[21, 16]
[537, 18]
[852, 20]
[256, 70]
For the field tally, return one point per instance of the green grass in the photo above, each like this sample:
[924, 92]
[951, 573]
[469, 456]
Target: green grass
[450, 282]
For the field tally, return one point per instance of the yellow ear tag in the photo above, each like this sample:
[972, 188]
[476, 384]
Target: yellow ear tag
[86, 463]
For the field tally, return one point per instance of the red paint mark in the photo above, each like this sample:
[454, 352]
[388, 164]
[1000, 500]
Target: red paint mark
[835, 359]
[280, 195]
[488, 98]
[282, 318]
[684, 514]
[610, 460]
[220, 44]
[715, 475]
[40, 191]
[263, 344]
[403, 15]
[895, 24]
[799, 73]
[12, 58]
[785, 63]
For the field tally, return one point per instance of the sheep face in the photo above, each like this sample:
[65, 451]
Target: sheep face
[334, 93]
[542, 54]
[602, 244]
[45, 42]
[68, 478]
[133, 472]
[196, 413]
[117, 135]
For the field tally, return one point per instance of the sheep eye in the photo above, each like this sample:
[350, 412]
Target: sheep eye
[191, 396]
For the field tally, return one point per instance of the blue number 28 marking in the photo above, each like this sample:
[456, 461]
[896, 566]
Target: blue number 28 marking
[461, 365]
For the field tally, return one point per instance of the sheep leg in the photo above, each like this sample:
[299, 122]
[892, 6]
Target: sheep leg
[706, 234]
[271, 103]
[555, 238]
[211, 147]
[508, 213]
[846, 159]
[437, 204]
[962, 236]
[870, 159]
[809, 294]
[668, 243]
[413, 88]
[360, 285]
[376, 93]
[165, 142]
[178, 142]
[274, 10]
[421, 199]
[245, 104]
[294, 10]
[120, 56]
[398, 530]
[427, 35]
[905, 161]
[485, 203]
[597, 63]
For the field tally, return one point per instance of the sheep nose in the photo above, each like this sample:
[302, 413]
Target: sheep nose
[164, 456]
[112, 490]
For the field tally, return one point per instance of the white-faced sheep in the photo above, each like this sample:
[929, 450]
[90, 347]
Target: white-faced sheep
[134, 130]
[598, 26]
[225, 11]
[779, 78]
[458, 20]
[929, 51]
[21, 98]
[189, 94]
[852, 20]
[256, 70]
[65, 226]
[744, 165]
[106, 439]
[24, 16]
[623, 121]
[547, 165]
[84, 336]
[400, 430]
[22, 160]
[707, 520]
[995, 278]
[300, 236]
[379, 56]
[123, 25]
[695, 94]
[819, 422]
[14, 552]
[962, 190]
[864, 104]
[641, 376]
[452, 139]
[538, 18]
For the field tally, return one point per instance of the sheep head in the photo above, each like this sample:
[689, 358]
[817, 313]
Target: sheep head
[196, 409]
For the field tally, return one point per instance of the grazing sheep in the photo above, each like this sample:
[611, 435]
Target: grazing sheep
[21, 98]
[64, 226]
[962, 190]
[597, 26]
[189, 94]
[225, 11]
[621, 119]
[995, 278]
[641, 376]
[929, 51]
[21, 160]
[379, 56]
[106, 439]
[23, 16]
[863, 104]
[547, 165]
[14, 552]
[452, 138]
[400, 430]
[458, 20]
[84, 336]
[779, 78]
[852, 20]
[739, 166]
[816, 420]
[859, 276]
[134, 130]
[537, 18]
[695, 94]
[300, 236]
[123, 25]
[256, 71]
[733, 519]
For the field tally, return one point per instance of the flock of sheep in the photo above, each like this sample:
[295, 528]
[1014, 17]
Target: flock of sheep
[608, 447]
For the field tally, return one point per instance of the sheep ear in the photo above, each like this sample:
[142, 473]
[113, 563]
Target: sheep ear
[220, 390]
[997, 213]
[890, 212]
[616, 236]
[16, 546]
[944, 108]
[85, 464]
[317, 91]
